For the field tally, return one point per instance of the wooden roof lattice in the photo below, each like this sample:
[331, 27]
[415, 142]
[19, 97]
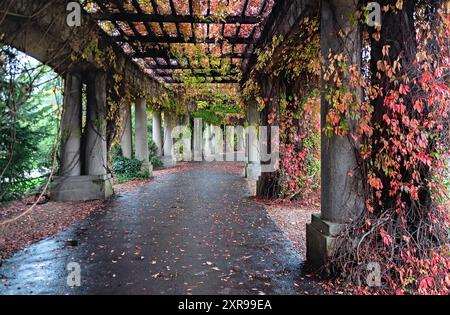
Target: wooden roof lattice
[207, 39]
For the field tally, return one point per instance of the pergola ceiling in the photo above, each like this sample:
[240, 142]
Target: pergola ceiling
[211, 40]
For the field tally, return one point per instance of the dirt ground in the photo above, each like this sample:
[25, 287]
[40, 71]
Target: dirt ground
[43, 221]
[291, 218]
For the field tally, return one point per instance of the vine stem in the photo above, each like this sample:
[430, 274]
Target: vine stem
[367, 234]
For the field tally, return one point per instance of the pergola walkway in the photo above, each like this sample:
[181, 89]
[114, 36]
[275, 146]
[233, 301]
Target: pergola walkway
[194, 231]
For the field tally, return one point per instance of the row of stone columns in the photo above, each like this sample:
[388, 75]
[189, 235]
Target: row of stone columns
[83, 171]
[207, 144]
[83, 162]
[141, 140]
[212, 144]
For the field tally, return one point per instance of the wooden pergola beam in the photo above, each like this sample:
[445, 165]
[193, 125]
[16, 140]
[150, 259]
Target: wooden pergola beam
[214, 81]
[182, 40]
[195, 73]
[161, 58]
[174, 18]
[164, 54]
[180, 67]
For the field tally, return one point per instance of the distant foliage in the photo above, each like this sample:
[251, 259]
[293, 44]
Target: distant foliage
[28, 122]
[153, 154]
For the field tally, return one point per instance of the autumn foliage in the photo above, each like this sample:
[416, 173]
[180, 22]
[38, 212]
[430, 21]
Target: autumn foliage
[403, 145]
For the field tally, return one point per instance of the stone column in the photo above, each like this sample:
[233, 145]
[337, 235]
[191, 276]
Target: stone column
[213, 138]
[253, 169]
[168, 159]
[126, 141]
[71, 126]
[230, 133]
[217, 142]
[187, 138]
[240, 155]
[181, 133]
[207, 150]
[142, 153]
[253, 165]
[157, 131]
[187, 119]
[342, 196]
[96, 149]
[198, 140]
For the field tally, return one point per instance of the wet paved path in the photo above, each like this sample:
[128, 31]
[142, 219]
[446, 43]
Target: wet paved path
[193, 232]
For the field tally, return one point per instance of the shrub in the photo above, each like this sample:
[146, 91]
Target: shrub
[153, 154]
[128, 169]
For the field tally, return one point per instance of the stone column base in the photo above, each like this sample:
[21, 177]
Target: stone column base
[244, 172]
[252, 173]
[252, 187]
[168, 161]
[320, 241]
[81, 188]
[148, 168]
